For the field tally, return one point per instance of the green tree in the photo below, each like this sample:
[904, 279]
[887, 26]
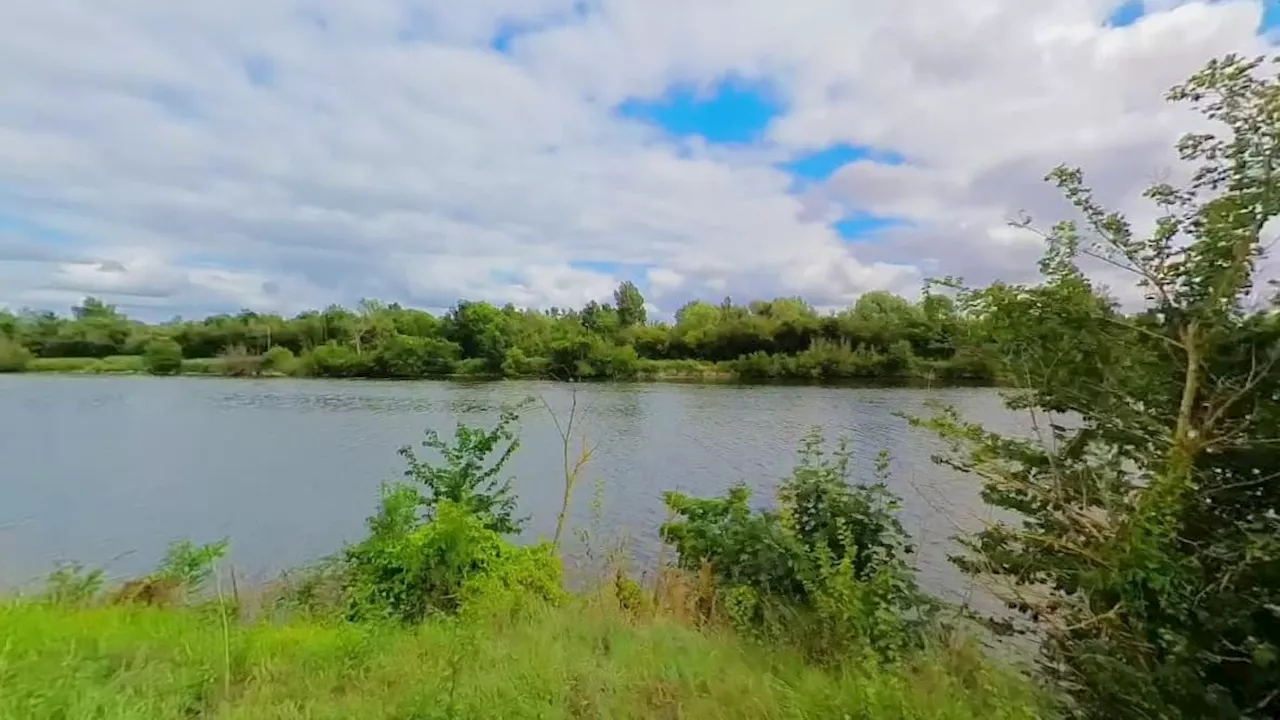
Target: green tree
[630, 304]
[1148, 549]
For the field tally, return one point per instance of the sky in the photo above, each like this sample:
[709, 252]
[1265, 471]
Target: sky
[279, 155]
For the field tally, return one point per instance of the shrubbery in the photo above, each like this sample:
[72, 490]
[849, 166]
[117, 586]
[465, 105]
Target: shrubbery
[237, 361]
[162, 356]
[13, 357]
[826, 570]
[410, 566]
[436, 543]
[1143, 539]
[279, 360]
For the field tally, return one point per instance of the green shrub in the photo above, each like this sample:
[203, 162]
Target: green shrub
[72, 584]
[335, 360]
[517, 364]
[826, 571]
[468, 477]
[162, 356]
[13, 357]
[190, 565]
[435, 545]
[613, 362]
[473, 367]
[1142, 535]
[759, 365]
[409, 567]
[279, 360]
[403, 356]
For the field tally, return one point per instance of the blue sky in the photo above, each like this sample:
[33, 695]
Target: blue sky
[734, 113]
[284, 154]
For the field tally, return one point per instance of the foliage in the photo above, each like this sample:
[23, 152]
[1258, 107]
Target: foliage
[73, 585]
[237, 361]
[189, 565]
[826, 570]
[407, 357]
[1146, 537]
[470, 475]
[334, 360]
[162, 356]
[881, 336]
[409, 567]
[630, 304]
[278, 359]
[13, 357]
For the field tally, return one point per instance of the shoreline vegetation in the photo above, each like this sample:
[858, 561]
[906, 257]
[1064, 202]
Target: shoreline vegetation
[647, 371]
[1138, 540]
[882, 338]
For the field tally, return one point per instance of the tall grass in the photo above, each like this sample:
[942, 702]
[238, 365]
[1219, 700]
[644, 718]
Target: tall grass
[111, 364]
[587, 659]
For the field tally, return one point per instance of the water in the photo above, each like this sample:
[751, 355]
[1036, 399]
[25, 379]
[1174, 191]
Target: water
[108, 470]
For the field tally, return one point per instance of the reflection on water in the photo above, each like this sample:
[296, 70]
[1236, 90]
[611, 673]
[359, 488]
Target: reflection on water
[108, 470]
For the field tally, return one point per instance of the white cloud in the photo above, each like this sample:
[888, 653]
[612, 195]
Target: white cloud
[278, 154]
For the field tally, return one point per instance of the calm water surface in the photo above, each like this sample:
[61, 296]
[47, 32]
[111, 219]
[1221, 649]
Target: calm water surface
[108, 470]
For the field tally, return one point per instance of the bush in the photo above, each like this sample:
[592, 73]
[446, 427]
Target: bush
[279, 360]
[612, 362]
[826, 571]
[334, 360]
[1142, 535]
[13, 357]
[162, 356]
[409, 567]
[517, 364]
[402, 356]
[237, 361]
[468, 477]
[759, 365]
[440, 550]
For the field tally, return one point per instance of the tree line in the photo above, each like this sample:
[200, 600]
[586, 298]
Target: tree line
[881, 336]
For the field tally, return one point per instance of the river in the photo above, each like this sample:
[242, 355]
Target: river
[108, 470]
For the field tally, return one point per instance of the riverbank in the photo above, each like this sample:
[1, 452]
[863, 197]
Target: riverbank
[686, 371]
[585, 659]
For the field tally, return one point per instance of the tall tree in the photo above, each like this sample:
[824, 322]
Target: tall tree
[630, 305]
[1148, 544]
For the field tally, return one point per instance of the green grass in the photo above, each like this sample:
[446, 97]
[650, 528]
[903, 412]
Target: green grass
[683, 370]
[61, 365]
[110, 364]
[580, 661]
[202, 366]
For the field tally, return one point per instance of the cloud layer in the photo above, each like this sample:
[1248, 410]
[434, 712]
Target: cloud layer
[282, 154]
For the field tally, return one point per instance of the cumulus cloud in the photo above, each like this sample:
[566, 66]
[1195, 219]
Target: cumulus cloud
[279, 154]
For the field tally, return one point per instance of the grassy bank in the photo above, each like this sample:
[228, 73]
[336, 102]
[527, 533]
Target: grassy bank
[118, 365]
[586, 659]
[692, 371]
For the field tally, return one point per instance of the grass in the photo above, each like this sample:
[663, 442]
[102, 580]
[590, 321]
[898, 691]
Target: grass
[202, 366]
[684, 370]
[585, 660]
[110, 364]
